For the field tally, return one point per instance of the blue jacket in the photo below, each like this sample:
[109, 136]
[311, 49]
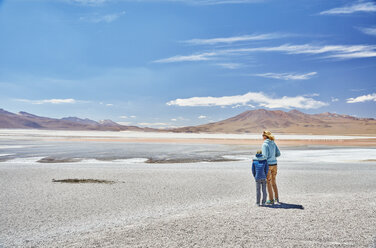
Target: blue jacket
[270, 151]
[260, 167]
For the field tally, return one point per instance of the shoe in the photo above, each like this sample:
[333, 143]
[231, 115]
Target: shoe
[270, 202]
[257, 204]
[276, 200]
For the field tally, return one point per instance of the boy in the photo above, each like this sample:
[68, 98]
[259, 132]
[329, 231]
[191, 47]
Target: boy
[260, 169]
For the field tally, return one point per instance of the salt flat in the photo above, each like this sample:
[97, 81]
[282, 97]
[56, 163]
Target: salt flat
[328, 194]
[186, 205]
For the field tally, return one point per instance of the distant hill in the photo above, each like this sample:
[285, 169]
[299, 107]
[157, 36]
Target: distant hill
[253, 121]
[25, 120]
[79, 120]
[294, 121]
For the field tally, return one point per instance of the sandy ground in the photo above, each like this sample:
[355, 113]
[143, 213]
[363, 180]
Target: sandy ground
[186, 205]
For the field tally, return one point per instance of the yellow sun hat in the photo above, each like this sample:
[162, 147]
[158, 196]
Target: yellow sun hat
[268, 135]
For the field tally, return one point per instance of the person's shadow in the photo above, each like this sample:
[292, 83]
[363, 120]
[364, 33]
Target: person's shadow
[285, 206]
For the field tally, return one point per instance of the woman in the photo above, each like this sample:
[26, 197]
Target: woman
[270, 151]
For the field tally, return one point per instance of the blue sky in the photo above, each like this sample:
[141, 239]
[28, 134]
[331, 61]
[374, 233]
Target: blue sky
[167, 63]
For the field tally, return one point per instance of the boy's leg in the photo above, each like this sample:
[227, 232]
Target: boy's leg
[274, 182]
[264, 194]
[258, 195]
[269, 183]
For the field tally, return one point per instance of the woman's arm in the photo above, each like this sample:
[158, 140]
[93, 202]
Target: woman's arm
[265, 150]
[277, 152]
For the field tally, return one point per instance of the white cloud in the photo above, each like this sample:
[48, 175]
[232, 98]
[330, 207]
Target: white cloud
[127, 117]
[153, 124]
[191, 2]
[364, 98]
[358, 7]
[312, 95]
[124, 123]
[287, 76]
[50, 101]
[180, 119]
[242, 105]
[96, 18]
[369, 31]
[215, 2]
[215, 101]
[193, 57]
[365, 54]
[327, 51]
[331, 51]
[229, 40]
[251, 97]
[161, 125]
[230, 65]
[202, 117]
[293, 102]
[335, 99]
[57, 101]
[106, 104]
[357, 90]
[89, 2]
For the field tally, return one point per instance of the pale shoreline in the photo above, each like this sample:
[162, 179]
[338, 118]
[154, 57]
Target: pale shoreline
[171, 135]
[339, 142]
[180, 138]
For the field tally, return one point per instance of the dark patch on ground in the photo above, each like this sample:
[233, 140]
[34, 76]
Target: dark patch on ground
[58, 160]
[76, 180]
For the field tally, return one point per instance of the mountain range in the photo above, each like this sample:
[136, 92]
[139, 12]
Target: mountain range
[252, 121]
[293, 122]
[25, 120]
